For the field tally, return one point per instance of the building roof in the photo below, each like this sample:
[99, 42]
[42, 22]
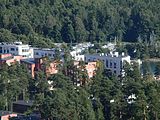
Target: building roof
[44, 49]
[29, 60]
[113, 55]
[18, 43]
[22, 102]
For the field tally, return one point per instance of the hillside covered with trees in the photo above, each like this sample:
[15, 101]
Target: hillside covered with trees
[42, 22]
[105, 97]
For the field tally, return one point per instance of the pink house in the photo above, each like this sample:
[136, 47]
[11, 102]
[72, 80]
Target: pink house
[9, 59]
[52, 68]
[5, 115]
[91, 67]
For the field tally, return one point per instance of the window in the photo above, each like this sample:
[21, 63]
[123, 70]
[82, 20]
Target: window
[110, 64]
[115, 72]
[37, 53]
[0, 49]
[25, 50]
[115, 65]
[24, 56]
[121, 64]
[12, 49]
[7, 51]
[106, 63]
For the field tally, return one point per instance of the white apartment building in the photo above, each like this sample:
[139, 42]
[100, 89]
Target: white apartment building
[113, 62]
[43, 52]
[16, 48]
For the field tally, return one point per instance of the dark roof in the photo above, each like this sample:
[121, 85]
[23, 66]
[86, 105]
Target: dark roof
[2, 113]
[22, 102]
[25, 118]
[29, 60]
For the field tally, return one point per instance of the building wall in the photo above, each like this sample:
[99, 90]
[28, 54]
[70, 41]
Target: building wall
[52, 69]
[79, 58]
[10, 59]
[113, 62]
[14, 59]
[91, 67]
[17, 49]
[5, 55]
[38, 53]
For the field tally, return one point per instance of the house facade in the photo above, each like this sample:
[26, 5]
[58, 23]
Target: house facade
[9, 59]
[37, 64]
[16, 48]
[81, 73]
[6, 115]
[38, 52]
[113, 61]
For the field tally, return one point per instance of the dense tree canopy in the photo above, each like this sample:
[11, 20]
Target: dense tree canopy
[105, 97]
[48, 21]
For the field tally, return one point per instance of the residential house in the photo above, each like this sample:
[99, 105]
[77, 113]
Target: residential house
[16, 49]
[81, 73]
[44, 52]
[30, 64]
[113, 61]
[9, 59]
[6, 115]
[37, 64]
[21, 106]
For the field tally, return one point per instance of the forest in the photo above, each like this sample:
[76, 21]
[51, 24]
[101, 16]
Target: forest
[43, 22]
[104, 97]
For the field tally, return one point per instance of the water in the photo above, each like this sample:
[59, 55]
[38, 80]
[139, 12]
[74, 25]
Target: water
[151, 67]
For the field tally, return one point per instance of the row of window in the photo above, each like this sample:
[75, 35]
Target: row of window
[50, 55]
[7, 51]
[111, 64]
[25, 50]
[14, 49]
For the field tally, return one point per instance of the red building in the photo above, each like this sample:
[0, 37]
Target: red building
[81, 73]
[37, 64]
[30, 64]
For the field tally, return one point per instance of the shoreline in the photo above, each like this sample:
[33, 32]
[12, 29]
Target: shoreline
[152, 60]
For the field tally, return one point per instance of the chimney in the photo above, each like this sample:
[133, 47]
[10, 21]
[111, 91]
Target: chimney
[116, 54]
[122, 53]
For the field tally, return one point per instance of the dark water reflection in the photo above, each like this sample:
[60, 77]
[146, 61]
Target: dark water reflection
[151, 66]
